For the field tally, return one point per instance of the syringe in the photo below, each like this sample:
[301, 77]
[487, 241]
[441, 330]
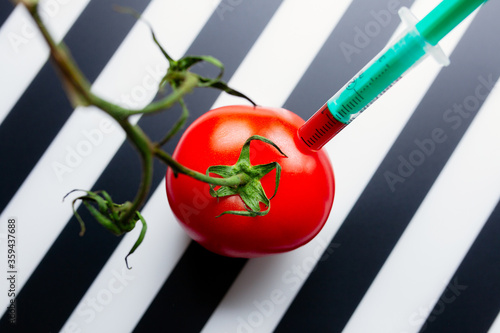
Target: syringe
[382, 72]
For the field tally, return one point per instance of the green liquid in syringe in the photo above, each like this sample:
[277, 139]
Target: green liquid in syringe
[377, 77]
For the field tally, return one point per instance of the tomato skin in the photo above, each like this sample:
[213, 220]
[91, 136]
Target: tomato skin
[298, 211]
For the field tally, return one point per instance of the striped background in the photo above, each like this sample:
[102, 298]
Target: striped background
[420, 256]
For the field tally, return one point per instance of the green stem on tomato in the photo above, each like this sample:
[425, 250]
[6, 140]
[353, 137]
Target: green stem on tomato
[235, 180]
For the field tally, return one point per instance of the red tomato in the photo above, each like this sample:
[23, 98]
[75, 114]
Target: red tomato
[298, 211]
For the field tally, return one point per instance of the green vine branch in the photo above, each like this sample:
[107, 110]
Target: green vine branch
[122, 218]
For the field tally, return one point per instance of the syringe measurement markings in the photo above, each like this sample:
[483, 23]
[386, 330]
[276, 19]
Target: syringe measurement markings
[330, 117]
[349, 107]
[381, 93]
[321, 131]
[306, 142]
[344, 112]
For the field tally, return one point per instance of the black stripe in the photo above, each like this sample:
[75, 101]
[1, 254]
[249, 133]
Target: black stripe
[6, 8]
[334, 289]
[43, 109]
[228, 35]
[471, 301]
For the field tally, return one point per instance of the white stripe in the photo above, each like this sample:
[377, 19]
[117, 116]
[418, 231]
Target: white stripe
[495, 328]
[439, 235]
[266, 286]
[86, 131]
[24, 51]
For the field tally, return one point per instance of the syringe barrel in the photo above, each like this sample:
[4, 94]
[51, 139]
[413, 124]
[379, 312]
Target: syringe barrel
[377, 77]
[446, 16]
[385, 69]
[371, 82]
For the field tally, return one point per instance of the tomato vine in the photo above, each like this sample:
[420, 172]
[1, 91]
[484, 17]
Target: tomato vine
[122, 218]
